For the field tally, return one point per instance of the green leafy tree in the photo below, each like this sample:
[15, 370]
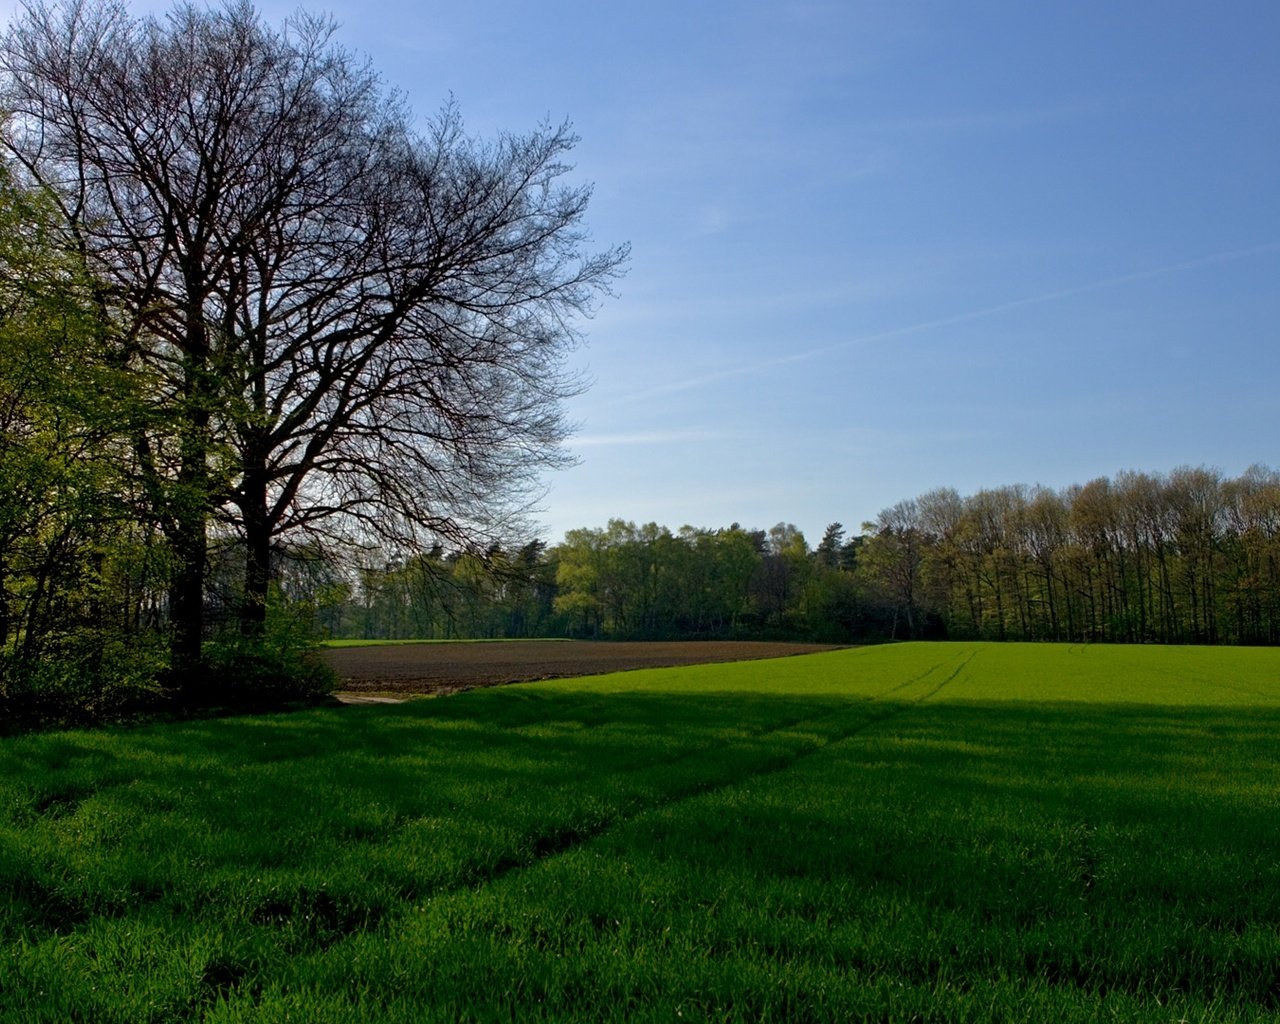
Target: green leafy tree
[580, 572]
[76, 562]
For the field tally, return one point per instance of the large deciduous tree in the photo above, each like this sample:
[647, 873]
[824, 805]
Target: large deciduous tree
[355, 329]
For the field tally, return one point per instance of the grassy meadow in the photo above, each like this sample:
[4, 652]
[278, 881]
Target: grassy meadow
[921, 832]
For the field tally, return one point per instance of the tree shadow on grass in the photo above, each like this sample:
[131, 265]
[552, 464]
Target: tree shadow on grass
[1118, 849]
[1092, 845]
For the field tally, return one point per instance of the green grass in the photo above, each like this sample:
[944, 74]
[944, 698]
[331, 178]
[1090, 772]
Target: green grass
[918, 832]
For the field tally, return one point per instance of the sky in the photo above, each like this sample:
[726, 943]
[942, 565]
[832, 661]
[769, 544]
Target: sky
[884, 247]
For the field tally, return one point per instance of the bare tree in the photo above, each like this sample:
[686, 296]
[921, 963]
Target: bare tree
[349, 329]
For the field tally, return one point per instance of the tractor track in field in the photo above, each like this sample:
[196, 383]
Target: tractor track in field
[544, 846]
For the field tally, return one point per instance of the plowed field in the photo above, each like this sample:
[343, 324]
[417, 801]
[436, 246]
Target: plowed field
[439, 668]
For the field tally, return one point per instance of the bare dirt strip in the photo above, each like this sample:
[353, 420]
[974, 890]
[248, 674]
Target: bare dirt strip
[367, 673]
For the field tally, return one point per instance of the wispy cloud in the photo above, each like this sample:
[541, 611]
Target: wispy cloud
[746, 369]
[712, 219]
[973, 121]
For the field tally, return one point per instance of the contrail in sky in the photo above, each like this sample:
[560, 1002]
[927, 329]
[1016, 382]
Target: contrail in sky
[1229, 256]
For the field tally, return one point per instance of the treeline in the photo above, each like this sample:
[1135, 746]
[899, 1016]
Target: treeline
[1187, 557]
[622, 582]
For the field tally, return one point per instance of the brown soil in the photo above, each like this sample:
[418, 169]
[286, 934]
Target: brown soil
[448, 667]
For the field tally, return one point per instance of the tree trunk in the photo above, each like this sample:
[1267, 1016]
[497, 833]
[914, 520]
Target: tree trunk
[257, 578]
[190, 507]
[5, 614]
[186, 596]
[257, 563]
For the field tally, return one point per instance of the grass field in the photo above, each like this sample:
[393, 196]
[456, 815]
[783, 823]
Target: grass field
[947, 832]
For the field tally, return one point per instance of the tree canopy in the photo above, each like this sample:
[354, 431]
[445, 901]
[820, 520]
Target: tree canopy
[350, 330]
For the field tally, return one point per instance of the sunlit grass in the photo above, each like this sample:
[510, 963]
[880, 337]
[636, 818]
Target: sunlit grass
[1111, 674]
[919, 832]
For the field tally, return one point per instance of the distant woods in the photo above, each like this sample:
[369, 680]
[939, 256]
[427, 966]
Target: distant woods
[1187, 557]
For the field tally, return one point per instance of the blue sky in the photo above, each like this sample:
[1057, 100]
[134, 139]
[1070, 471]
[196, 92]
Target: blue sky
[879, 248]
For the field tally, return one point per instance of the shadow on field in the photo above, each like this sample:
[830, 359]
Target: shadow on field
[525, 738]
[1105, 848]
[1122, 851]
[1123, 763]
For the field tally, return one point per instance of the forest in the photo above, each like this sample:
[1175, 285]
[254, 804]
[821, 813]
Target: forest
[1189, 556]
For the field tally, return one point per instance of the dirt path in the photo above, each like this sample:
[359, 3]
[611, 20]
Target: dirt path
[450, 667]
